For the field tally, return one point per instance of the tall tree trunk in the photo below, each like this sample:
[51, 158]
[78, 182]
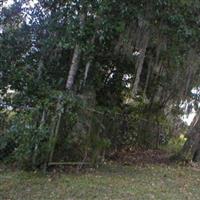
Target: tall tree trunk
[142, 46]
[73, 67]
[188, 80]
[147, 78]
[76, 57]
[87, 67]
[192, 64]
[191, 148]
[69, 84]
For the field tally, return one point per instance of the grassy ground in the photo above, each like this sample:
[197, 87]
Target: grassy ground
[109, 182]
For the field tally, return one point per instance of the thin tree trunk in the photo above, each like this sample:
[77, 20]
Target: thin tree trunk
[87, 67]
[189, 77]
[55, 136]
[40, 68]
[147, 78]
[42, 122]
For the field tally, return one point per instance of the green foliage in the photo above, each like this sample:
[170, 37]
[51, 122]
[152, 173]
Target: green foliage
[30, 140]
[36, 50]
[175, 144]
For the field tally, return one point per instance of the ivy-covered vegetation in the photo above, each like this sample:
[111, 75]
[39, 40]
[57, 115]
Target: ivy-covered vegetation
[80, 80]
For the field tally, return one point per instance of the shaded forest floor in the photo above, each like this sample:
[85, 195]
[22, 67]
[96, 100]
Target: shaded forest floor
[141, 157]
[131, 175]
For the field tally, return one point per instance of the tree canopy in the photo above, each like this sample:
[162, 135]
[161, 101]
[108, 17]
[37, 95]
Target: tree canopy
[88, 77]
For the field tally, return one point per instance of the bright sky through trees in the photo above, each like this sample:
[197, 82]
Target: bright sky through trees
[10, 2]
[188, 118]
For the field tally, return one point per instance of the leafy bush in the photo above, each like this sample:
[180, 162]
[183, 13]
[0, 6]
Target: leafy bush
[175, 144]
[25, 140]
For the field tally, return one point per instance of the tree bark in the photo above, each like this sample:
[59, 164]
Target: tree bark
[140, 61]
[73, 67]
[147, 78]
[87, 67]
[191, 148]
[76, 57]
